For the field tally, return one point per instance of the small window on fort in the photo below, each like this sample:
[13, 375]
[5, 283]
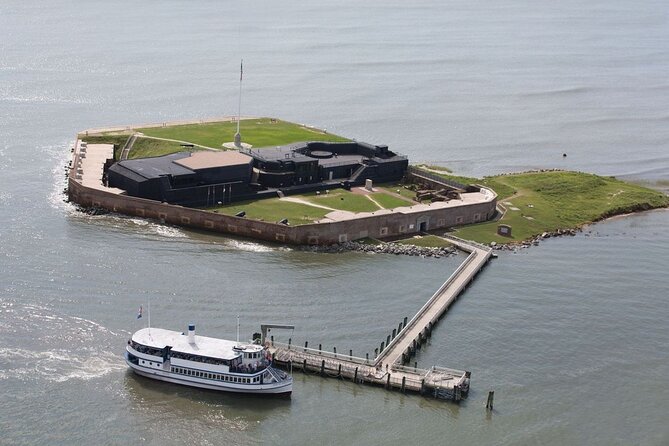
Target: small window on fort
[383, 231]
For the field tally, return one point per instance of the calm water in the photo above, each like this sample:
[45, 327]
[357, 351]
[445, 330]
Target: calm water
[571, 335]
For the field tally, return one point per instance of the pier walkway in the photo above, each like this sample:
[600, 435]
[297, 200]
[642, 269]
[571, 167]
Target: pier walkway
[388, 368]
[406, 341]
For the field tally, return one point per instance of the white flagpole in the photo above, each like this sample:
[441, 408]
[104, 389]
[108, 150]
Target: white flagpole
[237, 329]
[239, 109]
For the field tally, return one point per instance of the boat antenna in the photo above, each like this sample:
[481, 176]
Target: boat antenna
[148, 313]
[238, 136]
[237, 329]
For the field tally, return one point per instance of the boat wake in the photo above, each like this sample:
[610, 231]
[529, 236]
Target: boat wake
[56, 365]
[54, 347]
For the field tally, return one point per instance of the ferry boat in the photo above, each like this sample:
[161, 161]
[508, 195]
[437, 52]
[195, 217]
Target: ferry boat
[204, 362]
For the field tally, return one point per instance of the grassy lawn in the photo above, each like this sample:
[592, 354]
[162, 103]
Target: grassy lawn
[260, 132]
[273, 210]
[343, 200]
[428, 241]
[146, 147]
[391, 201]
[546, 201]
[117, 140]
[403, 191]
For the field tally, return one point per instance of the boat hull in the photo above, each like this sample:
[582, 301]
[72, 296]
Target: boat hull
[276, 389]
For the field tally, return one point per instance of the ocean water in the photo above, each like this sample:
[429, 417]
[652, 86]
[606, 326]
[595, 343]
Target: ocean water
[571, 335]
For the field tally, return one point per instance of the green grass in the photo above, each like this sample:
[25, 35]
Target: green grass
[428, 241]
[343, 200]
[439, 168]
[403, 191]
[390, 201]
[260, 132]
[547, 201]
[146, 147]
[117, 140]
[273, 210]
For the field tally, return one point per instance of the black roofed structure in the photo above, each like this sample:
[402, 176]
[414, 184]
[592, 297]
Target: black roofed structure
[192, 179]
[206, 178]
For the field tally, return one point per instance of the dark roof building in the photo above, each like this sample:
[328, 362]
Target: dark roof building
[193, 179]
[205, 178]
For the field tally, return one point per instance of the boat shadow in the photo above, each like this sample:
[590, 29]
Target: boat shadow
[147, 392]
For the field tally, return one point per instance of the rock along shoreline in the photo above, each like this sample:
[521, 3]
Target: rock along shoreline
[385, 248]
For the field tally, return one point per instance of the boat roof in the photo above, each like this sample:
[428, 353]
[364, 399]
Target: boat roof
[203, 345]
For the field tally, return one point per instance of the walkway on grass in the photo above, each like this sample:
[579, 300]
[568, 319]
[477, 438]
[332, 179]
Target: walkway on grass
[308, 203]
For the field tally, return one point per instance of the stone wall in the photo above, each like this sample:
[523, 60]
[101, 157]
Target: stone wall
[376, 226]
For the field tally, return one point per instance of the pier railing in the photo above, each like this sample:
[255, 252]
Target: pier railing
[462, 243]
[323, 353]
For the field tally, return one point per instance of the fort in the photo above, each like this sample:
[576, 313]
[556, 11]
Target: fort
[196, 188]
[332, 191]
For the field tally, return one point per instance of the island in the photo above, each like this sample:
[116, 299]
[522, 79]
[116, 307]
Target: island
[297, 184]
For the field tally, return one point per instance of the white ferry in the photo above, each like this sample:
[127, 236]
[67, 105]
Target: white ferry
[205, 362]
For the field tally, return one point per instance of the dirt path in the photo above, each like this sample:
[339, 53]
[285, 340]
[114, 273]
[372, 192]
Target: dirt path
[141, 135]
[369, 197]
[308, 203]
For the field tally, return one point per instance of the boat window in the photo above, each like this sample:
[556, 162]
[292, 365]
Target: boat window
[145, 349]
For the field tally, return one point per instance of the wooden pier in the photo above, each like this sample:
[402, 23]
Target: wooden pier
[388, 369]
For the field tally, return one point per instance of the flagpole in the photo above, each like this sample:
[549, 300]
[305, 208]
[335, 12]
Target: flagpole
[238, 136]
[239, 108]
[237, 329]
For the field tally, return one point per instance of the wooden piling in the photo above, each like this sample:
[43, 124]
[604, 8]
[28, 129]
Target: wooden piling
[306, 345]
[339, 370]
[335, 351]
[404, 381]
[323, 367]
[355, 376]
[491, 396]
